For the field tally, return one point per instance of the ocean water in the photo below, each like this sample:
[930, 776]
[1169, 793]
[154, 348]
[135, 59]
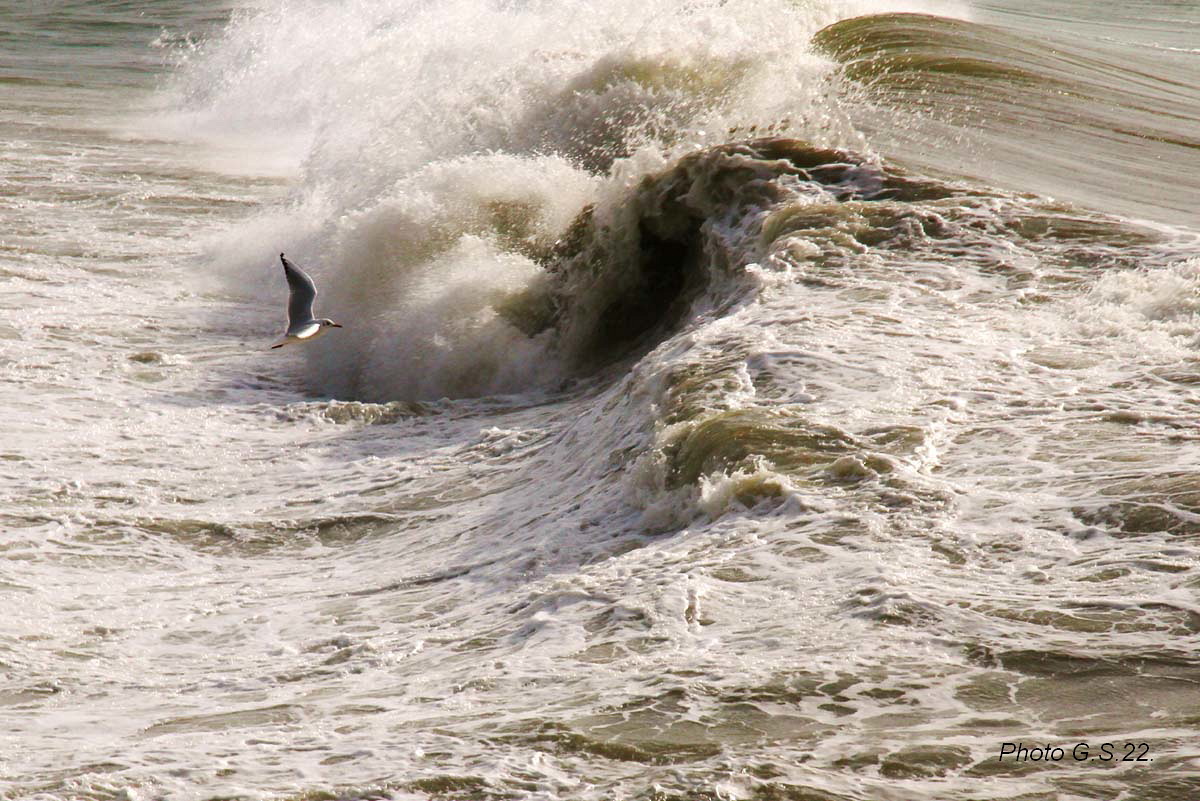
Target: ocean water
[747, 399]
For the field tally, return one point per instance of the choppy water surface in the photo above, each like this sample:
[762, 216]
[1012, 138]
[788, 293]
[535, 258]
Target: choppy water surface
[750, 400]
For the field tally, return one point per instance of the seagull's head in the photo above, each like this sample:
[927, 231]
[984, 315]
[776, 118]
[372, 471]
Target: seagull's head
[327, 323]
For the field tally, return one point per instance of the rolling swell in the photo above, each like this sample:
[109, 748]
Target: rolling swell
[1063, 118]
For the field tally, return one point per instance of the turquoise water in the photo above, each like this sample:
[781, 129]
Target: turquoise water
[737, 400]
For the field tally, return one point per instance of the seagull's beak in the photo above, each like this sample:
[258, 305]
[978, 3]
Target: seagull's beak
[336, 325]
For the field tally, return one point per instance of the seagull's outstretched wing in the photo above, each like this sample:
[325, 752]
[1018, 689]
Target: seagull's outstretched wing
[301, 295]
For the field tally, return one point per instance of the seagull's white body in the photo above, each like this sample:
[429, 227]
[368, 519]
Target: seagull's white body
[302, 326]
[301, 334]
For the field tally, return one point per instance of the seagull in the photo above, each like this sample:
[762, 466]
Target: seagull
[302, 326]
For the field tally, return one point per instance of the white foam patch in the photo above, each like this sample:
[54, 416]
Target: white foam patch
[1156, 309]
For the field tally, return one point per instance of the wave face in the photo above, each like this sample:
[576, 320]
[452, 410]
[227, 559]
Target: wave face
[737, 400]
